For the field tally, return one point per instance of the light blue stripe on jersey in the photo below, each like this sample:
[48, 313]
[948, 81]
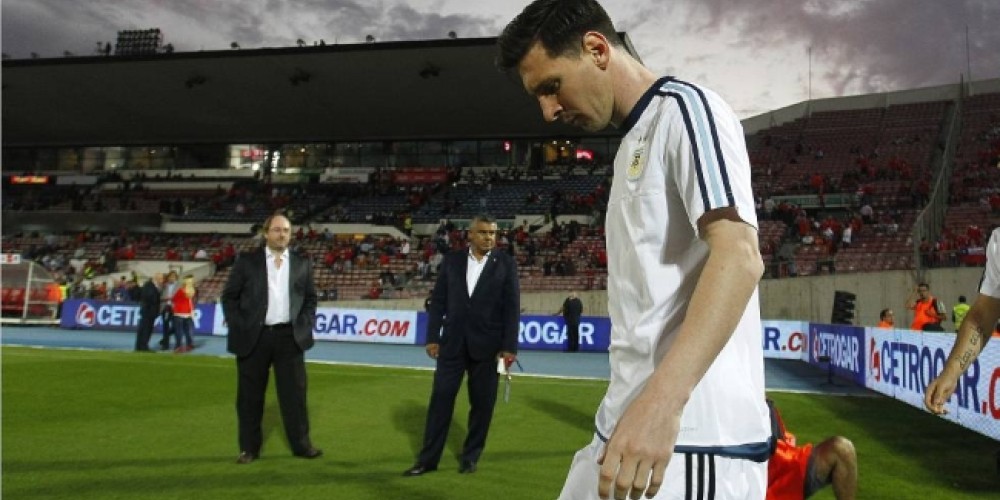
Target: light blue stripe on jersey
[711, 162]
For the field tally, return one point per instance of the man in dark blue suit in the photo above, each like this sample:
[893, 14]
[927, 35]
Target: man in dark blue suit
[269, 303]
[149, 309]
[477, 301]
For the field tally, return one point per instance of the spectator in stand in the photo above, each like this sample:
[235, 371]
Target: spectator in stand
[867, 214]
[375, 291]
[120, 292]
[886, 319]
[133, 289]
[845, 236]
[329, 257]
[927, 310]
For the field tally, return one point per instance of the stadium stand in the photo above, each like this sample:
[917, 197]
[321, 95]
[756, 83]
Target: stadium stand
[872, 169]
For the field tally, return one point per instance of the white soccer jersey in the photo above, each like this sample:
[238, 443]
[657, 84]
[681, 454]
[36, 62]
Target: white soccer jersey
[991, 276]
[683, 154]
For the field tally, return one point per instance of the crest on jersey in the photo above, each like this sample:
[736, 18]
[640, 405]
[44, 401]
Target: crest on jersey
[637, 164]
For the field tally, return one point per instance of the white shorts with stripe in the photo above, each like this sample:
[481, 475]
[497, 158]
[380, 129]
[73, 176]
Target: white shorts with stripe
[689, 476]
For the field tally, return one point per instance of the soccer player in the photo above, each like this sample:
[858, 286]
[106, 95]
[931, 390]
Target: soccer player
[684, 413]
[797, 472]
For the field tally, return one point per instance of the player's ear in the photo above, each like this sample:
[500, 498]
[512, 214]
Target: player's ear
[596, 47]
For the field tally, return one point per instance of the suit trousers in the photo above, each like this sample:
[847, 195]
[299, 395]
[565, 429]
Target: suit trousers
[573, 335]
[276, 347]
[167, 322]
[482, 388]
[145, 331]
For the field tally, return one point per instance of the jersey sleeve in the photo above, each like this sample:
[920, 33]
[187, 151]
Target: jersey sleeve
[991, 276]
[707, 155]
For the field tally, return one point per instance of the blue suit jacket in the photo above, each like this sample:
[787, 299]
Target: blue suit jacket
[487, 321]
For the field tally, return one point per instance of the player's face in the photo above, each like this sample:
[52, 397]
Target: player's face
[483, 237]
[278, 234]
[569, 88]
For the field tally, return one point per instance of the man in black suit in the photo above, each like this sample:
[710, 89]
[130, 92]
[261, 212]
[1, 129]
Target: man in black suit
[477, 300]
[571, 310]
[269, 303]
[149, 309]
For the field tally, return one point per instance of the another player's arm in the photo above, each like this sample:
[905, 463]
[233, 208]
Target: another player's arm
[643, 441]
[976, 330]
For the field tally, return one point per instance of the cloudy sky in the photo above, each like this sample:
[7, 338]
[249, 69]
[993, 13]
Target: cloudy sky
[753, 52]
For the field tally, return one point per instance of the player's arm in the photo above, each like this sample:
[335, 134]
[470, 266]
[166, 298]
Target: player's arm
[643, 441]
[976, 330]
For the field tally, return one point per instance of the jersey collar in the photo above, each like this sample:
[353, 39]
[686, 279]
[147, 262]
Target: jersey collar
[633, 116]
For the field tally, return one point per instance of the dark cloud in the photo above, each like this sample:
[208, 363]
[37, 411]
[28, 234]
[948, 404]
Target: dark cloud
[754, 51]
[868, 45]
[51, 26]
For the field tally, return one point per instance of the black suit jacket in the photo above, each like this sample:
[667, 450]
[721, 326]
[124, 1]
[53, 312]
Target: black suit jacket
[244, 300]
[149, 300]
[488, 320]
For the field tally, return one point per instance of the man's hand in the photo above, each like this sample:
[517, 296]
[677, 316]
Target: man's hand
[938, 392]
[508, 359]
[638, 451]
[432, 350]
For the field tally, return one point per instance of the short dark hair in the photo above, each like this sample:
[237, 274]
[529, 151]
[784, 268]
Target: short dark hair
[557, 24]
[884, 313]
[487, 218]
[961, 298]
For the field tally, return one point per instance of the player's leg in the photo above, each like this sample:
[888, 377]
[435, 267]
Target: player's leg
[834, 462]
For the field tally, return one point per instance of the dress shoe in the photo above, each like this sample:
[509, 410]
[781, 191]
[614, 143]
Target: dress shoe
[418, 470]
[246, 457]
[467, 467]
[310, 453]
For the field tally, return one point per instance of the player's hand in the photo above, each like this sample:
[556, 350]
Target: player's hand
[432, 350]
[939, 391]
[637, 453]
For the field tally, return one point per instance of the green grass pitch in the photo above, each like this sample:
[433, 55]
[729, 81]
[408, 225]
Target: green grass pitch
[106, 425]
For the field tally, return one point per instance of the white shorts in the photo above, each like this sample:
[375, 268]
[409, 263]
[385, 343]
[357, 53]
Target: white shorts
[689, 476]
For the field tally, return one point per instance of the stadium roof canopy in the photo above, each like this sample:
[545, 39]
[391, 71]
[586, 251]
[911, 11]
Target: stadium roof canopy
[439, 89]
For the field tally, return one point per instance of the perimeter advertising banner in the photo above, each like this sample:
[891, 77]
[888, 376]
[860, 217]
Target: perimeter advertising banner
[104, 315]
[843, 346]
[353, 325]
[786, 339]
[901, 363]
[548, 333]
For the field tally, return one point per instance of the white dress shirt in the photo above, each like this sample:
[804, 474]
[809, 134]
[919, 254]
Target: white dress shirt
[474, 270]
[278, 303]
